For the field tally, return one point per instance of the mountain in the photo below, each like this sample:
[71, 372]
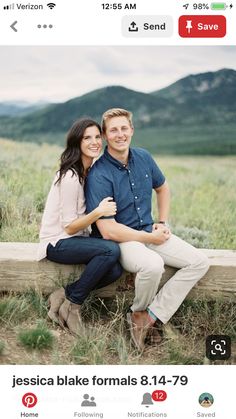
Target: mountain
[186, 109]
[19, 108]
[204, 85]
[59, 117]
[206, 97]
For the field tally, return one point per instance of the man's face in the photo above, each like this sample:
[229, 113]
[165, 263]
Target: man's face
[118, 134]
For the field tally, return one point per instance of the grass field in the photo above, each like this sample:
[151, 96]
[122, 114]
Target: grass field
[203, 212]
[191, 139]
[27, 337]
[203, 190]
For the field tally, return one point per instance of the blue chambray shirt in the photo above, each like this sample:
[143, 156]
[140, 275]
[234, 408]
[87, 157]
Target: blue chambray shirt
[130, 186]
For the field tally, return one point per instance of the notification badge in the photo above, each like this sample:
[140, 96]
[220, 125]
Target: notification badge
[29, 400]
[159, 395]
[205, 26]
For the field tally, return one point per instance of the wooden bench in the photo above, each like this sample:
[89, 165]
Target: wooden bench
[19, 271]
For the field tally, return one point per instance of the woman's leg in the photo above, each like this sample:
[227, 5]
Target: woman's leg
[100, 256]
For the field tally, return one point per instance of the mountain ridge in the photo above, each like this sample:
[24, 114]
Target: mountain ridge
[195, 102]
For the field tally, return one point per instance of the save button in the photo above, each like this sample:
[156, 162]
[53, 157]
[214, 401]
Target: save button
[206, 26]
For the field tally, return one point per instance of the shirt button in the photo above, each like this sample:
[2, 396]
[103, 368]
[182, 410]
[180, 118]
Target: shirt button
[129, 171]
[146, 175]
[135, 197]
[141, 221]
[132, 184]
[138, 209]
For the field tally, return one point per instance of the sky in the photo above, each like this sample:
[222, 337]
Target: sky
[56, 74]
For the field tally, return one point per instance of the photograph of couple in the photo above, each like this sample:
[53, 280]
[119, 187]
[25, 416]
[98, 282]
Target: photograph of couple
[117, 201]
[134, 187]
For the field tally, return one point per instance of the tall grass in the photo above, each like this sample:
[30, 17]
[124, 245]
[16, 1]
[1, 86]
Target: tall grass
[203, 207]
[26, 171]
[105, 339]
[203, 211]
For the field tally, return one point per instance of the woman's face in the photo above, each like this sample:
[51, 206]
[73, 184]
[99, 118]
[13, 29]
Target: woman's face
[91, 144]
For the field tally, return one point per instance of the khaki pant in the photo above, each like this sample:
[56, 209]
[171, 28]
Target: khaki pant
[148, 262]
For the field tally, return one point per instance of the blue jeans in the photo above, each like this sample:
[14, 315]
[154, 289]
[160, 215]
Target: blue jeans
[100, 257]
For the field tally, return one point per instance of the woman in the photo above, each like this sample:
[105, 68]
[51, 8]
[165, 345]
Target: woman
[64, 234]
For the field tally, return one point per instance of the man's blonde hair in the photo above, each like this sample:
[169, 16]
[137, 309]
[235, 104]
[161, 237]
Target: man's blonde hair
[111, 113]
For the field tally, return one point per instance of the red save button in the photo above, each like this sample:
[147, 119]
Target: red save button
[196, 26]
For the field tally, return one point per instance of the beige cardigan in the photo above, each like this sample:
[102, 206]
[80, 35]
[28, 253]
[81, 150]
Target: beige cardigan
[65, 203]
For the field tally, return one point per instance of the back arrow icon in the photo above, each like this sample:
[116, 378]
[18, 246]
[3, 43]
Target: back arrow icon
[13, 26]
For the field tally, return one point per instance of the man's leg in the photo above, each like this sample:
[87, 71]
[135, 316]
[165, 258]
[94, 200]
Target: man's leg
[192, 264]
[149, 266]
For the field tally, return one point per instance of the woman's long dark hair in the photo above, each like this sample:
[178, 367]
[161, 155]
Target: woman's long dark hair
[71, 158]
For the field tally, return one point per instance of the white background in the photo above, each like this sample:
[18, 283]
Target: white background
[116, 401]
[86, 23]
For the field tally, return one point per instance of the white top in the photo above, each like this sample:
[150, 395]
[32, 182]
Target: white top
[65, 203]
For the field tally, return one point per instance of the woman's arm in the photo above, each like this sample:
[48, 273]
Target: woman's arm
[70, 191]
[106, 208]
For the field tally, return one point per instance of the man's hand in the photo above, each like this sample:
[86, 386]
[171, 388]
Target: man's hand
[160, 235]
[160, 226]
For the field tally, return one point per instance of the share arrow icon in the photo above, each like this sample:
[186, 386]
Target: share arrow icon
[133, 27]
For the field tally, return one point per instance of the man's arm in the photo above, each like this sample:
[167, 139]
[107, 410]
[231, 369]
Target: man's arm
[163, 201]
[111, 230]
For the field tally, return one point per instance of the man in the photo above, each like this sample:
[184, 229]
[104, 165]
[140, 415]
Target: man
[129, 175]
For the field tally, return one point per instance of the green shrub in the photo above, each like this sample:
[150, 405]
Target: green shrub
[194, 236]
[38, 338]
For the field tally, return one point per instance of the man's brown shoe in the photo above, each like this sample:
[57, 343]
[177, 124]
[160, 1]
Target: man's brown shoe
[70, 316]
[55, 300]
[154, 336]
[139, 325]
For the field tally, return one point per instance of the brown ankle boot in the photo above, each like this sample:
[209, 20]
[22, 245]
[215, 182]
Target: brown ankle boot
[154, 336]
[70, 316]
[54, 301]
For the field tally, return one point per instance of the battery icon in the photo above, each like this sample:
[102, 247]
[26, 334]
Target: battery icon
[218, 6]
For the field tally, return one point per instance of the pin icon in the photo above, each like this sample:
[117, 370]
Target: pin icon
[29, 400]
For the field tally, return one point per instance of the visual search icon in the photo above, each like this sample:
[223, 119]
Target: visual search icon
[218, 347]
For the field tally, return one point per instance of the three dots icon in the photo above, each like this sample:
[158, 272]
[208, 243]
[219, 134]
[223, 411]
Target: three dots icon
[44, 26]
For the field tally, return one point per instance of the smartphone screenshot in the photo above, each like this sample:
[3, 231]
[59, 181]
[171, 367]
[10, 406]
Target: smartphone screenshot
[117, 209]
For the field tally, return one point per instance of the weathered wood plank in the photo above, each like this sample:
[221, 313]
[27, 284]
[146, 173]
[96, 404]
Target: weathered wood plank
[20, 271]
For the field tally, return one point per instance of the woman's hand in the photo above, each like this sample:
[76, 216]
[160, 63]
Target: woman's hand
[107, 207]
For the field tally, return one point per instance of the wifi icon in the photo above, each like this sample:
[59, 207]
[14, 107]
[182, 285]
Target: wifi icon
[51, 5]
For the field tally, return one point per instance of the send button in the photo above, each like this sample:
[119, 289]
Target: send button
[147, 26]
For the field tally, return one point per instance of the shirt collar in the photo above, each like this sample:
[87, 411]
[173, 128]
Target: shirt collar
[116, 162]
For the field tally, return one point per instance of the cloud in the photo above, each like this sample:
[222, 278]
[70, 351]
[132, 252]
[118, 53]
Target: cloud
[60, 73]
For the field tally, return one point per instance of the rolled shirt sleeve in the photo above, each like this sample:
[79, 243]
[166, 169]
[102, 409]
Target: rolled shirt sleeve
[158, 178]
[97, 187]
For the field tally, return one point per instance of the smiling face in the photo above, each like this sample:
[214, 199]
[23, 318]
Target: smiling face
[91, 144]
[118, 135]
